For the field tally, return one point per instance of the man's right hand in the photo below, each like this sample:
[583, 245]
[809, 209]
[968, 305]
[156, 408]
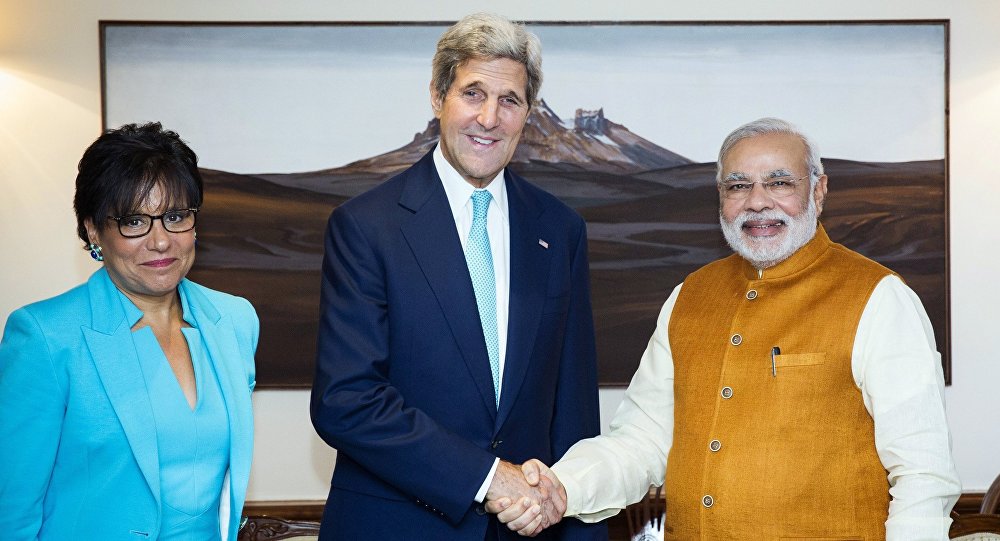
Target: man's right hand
[527, 515]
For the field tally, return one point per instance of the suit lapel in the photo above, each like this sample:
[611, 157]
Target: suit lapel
[223, 349]
[113, 352]
[529, 271]
[434, 242]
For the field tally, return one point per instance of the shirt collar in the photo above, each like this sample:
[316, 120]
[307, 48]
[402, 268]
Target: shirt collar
[459, 191]
[133, 314]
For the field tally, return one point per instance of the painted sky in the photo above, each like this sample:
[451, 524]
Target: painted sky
[303, 97]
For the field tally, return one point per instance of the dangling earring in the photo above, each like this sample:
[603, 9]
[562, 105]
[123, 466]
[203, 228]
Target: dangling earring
[95, 252]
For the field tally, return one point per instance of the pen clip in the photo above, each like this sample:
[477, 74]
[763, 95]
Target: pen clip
[774, 368]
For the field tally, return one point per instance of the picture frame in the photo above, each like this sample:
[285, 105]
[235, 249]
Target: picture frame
[291, 119]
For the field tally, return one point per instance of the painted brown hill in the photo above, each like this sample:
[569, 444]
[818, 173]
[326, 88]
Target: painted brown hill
[263, 240]
[591, 144]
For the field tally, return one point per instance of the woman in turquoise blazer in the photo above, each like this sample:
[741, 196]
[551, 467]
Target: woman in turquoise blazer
[125, 402]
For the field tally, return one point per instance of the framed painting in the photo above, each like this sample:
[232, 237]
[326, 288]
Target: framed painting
[291, 119]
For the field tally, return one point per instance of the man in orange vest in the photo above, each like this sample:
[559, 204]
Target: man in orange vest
[791, 390]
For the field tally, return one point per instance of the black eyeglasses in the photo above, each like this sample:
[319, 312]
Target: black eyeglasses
[776, 187]
[139, 225]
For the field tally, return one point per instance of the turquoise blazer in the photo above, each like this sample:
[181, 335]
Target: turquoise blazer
[78, 451]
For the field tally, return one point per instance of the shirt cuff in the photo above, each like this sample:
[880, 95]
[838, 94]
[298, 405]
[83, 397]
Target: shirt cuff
[917, 528]
[481, 495]
[575, 497]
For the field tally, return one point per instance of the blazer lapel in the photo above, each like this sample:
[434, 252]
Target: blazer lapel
[224, 351]
[113, 352]
[529, 271]
[434, 242]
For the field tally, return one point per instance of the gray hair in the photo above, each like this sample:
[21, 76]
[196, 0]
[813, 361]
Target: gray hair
[766, 126]
[486, 36]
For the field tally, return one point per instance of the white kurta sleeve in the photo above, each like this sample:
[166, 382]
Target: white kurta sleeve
[603, 475]
[898, 369]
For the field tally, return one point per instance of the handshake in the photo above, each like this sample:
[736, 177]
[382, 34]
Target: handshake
[527, 499]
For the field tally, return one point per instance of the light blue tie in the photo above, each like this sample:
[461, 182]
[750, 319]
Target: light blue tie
[479, 258]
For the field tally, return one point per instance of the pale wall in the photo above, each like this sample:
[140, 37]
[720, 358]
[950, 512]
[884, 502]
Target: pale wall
[50, 111]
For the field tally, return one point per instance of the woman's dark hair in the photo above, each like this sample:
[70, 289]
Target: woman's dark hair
[120, 168]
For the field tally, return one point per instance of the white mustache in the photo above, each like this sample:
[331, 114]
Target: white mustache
[770, 214]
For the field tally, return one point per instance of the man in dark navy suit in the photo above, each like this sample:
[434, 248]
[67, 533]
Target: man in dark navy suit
[456, 338]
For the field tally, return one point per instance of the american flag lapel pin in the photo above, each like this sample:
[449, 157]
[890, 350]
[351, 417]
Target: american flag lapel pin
[543, 244]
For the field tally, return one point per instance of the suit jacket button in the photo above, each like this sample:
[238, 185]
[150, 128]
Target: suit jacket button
[480, 510]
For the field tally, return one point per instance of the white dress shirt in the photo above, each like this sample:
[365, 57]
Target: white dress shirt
[896, 366]
[459, 193]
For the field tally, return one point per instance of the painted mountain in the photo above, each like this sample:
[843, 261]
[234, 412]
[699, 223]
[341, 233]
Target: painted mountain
[652, 218]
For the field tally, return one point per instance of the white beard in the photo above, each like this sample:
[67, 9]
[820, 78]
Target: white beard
[764, 253]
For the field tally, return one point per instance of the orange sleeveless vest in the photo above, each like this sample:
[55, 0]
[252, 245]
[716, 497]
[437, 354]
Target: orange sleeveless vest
[782, 452]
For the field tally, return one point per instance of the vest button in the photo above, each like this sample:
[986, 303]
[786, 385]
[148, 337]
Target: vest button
[715, 445]
[736, 340]
[727, 392]
[707, 501]
[752, 294]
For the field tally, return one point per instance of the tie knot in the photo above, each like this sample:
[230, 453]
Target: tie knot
[480, 203]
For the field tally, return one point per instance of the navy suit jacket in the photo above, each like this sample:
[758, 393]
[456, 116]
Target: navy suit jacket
[403, 388]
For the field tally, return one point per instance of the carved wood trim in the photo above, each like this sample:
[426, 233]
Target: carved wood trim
[974, 523]
[303, 513]
[261, 528]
